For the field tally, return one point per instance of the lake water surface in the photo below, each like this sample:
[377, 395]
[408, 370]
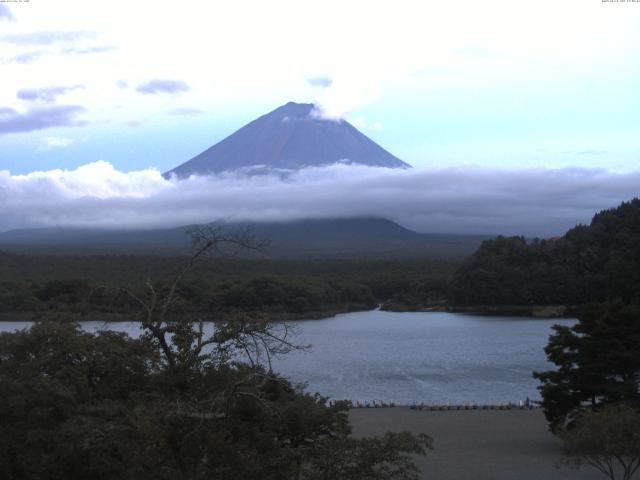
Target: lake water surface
[426, 357]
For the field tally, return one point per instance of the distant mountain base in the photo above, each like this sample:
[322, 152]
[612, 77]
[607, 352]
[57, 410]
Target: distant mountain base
[353, 238]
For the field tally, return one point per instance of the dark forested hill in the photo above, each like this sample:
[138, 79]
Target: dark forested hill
[312, 238]
[598, 262]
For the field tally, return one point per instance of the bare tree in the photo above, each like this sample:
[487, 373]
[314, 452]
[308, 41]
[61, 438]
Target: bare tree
[213, 406]
[187, 344]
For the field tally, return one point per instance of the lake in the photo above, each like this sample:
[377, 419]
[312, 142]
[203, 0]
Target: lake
[429, 357]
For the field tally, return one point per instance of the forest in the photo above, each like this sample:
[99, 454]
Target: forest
[88, 286]
[177, 403]
[598, 262]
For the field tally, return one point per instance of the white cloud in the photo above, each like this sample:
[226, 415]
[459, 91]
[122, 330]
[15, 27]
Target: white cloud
[97, 180]
[49, 143]
[5, 14]
[534, 202]
[45, 94]
[361, 124]
[348, 93]
[365, 48]
[319, 81]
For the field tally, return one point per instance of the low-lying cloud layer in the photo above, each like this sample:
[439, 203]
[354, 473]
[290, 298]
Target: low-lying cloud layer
[446, 200]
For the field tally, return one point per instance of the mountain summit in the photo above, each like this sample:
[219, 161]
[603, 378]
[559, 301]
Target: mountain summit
[289, 138]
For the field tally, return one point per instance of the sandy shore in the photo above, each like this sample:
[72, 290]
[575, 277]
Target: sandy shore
[477, 444]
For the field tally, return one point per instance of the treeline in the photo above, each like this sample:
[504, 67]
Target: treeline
[595, 263]
[265, 294]
[89, 287]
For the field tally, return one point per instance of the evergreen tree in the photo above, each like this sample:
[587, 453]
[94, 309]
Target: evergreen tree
[598, 363]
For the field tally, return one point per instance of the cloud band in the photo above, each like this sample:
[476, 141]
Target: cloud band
[451, 200]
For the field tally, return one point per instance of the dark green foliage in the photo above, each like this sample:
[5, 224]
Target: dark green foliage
[368, 459]
[70, 287]
[608, 440]
[291, 294]
[65, 397]
[63, 291]
[104, 406]
[181, 402]
[598, 363]
[595, 263]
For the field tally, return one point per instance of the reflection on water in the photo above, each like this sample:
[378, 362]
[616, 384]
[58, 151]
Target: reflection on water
[404, 357]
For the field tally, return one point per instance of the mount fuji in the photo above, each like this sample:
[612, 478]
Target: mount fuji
[289, 138]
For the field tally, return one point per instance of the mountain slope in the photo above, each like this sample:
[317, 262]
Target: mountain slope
[356, 237]
[289, 138]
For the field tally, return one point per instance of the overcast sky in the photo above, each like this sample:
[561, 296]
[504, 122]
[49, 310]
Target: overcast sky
[490, 88]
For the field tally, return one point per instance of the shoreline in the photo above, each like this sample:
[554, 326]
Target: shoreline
[120, 318]
[539, 311]
[534, 311]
